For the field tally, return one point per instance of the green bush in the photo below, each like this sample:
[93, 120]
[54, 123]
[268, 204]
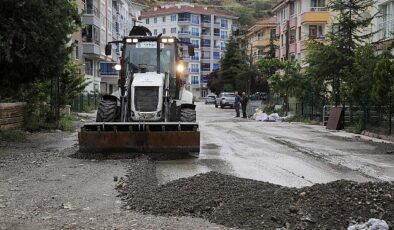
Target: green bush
[66, 123]
[13, 135]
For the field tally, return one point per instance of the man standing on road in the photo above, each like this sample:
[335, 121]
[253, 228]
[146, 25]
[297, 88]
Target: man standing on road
[236, 103]
[244, 102]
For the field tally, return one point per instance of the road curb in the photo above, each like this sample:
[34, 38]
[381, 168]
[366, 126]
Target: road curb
[378, 136]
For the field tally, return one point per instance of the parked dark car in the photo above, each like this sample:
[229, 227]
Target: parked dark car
[210, 99]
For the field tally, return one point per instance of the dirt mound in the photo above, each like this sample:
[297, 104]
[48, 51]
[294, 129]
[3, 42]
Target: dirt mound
[250, 204]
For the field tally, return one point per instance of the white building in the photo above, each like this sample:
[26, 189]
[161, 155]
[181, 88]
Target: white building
[207, 30]
[383, 25]
[105, 21]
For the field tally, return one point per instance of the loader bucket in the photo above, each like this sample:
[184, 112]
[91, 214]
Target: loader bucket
[134, 137]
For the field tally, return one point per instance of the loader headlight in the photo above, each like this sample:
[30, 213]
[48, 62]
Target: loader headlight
[117, 67]
[180, 68]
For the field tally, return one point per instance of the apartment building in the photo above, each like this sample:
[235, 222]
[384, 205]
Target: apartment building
[258, 38]
[206, 29]
[297, 22]
[105, 21]
[383, 25]
[76, 41]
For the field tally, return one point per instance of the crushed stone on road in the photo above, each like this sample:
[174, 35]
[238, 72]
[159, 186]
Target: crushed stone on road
[250, 204]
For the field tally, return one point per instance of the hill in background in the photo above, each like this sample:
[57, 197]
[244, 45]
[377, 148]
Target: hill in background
[248, 11]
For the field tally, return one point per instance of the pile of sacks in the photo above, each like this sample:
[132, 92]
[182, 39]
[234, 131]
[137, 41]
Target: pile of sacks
[259, 115]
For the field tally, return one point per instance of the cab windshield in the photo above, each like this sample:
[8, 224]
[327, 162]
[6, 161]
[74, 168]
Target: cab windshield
[145, 53]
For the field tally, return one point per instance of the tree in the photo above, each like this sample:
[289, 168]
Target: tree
[334, 59]
[245, 16]
[34, 47]
[288, 81]
[71, 83]
[383, 87]
[231, 65]
[214, 82]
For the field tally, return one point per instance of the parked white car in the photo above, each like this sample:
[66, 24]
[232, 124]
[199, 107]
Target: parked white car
[225, 99]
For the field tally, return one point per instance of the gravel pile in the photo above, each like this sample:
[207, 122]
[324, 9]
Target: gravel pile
[250, 204]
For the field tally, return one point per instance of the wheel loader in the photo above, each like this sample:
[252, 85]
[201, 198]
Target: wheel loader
[151, 112]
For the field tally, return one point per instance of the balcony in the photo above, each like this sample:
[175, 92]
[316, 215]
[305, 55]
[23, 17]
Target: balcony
[91, 17]
[216, 25]
[184, 21]
[184, 33]
[206, 35]
[206, 23]
[91, 48]
[315, 15]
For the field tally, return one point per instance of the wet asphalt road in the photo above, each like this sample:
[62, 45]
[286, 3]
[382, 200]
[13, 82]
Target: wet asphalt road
[289, 154]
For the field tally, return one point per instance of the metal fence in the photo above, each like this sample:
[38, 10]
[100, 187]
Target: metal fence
[85, 102]
[374, 118]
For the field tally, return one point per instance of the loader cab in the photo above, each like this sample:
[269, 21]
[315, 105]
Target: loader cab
[150, 54]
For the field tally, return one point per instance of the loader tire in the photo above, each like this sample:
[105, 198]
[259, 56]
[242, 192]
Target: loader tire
[107, 111]
[188, 115]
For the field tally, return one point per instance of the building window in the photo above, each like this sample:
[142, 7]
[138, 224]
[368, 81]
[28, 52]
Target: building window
[259, 36]
[292, 36]
[299, 33]
[216, 55]
[196, 56]
[194, 68]
[154, 20]
[273, 33]
[164, 19]
[195, 80]
[91, 33]
[88, 66]
[76, 49]
[155, 32]
[184, 17]
[195, 19]
[224, 23]
[107, 68]
[216, 32]
[205, 67]
[147, 21]
[205, 43]
[186, 40]
[216, 66]
[292, 10]
[164, 30]
[173, 17]
[91, 7]
[315, 31]
[195, 32]
[173, 30]
[196, 43]
[223, 35]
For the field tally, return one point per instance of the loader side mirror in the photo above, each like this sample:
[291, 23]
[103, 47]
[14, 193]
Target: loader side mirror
[190, 49]
[108, 49]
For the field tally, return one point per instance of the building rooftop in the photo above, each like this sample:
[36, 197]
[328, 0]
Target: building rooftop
[173, 9]
[267, 22]
[279, 4]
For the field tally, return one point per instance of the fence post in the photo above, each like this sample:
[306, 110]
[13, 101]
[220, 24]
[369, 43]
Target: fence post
[88, 99]
[390, 113]
[95, 100]
[81, 102]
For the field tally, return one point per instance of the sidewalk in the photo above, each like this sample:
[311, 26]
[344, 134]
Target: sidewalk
[341, 133]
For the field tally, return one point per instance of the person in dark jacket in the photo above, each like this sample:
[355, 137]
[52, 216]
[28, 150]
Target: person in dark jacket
[237, 102]
[244, 102]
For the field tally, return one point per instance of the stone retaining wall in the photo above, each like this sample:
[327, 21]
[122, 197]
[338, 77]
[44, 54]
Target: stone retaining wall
[12, 115]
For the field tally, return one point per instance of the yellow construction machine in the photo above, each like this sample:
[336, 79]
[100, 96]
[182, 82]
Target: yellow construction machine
[152, 112]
